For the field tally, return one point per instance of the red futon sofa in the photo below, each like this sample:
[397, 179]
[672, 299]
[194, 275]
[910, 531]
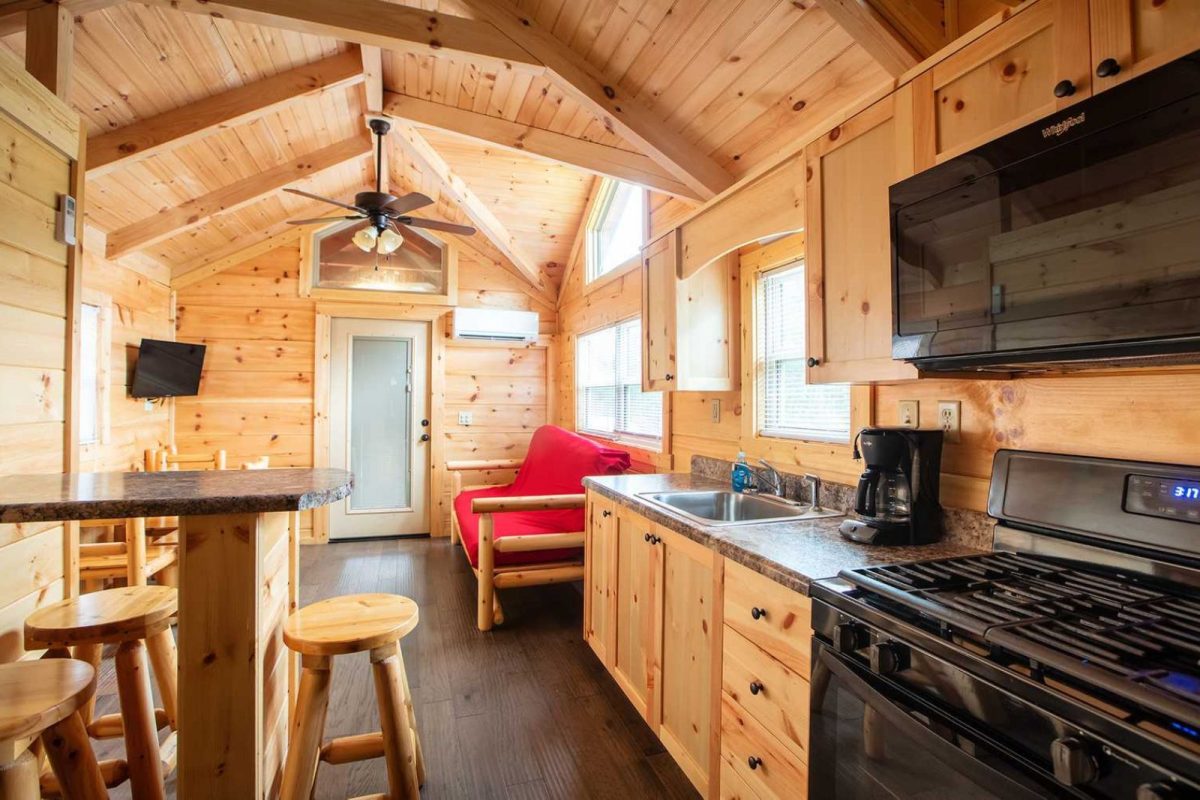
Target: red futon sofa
[529, 532]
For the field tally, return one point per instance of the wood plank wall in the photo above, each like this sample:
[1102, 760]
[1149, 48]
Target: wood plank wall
[33, 346]
[256, 397]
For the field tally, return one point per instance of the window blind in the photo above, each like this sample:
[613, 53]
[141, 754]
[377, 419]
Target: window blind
[788, 406]
[609, 397]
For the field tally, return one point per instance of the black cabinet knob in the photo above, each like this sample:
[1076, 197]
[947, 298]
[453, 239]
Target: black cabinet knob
[1075, 761]
[424, 423]
[754, 762]
[755, 687]
[424, 437]
[758, 613]
[655, 539]
[812, 362]
[1064, 89]
[668, 377]
[647, 537]
[1107, 68]
[606, 513]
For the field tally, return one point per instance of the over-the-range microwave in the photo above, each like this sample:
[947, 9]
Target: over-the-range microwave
[1070, 242]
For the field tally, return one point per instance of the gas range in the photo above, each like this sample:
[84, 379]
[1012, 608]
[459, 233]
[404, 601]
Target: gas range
[1066, 663]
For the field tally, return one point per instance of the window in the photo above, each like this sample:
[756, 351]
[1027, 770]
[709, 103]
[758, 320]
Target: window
[89, 374]
[608, 386]
[788, 406]
[617, 227]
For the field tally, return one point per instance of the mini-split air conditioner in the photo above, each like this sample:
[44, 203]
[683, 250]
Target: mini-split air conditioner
[495, 325]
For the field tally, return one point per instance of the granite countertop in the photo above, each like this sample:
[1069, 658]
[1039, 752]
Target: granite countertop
[110, 495]
[791, 553]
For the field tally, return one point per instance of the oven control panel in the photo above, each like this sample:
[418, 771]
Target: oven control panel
[1158, 496]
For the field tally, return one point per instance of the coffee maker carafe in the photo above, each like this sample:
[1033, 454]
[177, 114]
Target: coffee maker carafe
[897, 497]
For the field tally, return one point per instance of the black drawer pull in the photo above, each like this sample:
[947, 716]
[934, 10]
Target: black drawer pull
[758, 613]
[754, 761]
[755, 687]
[1108, 68]
[606, 513]
[812, 362]
[1064, 89]
[647, 537]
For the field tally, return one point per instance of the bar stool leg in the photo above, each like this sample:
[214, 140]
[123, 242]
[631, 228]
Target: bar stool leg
[307, 728]
[165, 660]
[412, 721]
[71, 757]
[90, 653]
[141, 731]
[19, 778]
[399, 749]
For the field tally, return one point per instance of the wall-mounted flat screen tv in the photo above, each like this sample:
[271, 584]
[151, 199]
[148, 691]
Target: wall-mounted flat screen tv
[167, 369]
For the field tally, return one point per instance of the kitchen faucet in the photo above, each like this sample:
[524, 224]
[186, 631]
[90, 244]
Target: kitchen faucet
[769, 477]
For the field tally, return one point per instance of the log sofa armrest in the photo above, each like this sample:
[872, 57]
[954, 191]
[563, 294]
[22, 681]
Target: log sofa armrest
[482, 465]
[545, 502]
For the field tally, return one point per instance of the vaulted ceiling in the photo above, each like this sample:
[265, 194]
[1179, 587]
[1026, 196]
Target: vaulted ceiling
[186, 165]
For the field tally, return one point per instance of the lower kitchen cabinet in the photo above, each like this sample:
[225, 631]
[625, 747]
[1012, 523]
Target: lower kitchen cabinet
[714, 656]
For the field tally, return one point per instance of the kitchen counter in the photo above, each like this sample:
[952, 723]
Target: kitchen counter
[791, 553]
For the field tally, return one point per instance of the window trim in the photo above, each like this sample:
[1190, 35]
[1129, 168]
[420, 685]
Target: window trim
[601, 204]
[661, 445]
[104, 373]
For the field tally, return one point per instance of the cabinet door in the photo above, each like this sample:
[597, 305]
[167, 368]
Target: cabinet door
[599, 579]
[1140, 35]
[706, 328]
[639, 583]
[1003, 80]
[689, 625]
[849, 259]
[659, 262]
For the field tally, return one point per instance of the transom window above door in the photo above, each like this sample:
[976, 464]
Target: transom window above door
[338, 261]
[616, 228]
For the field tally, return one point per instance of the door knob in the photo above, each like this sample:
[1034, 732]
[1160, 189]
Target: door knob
[1064, 89]
[424, 437]
[1108, 68]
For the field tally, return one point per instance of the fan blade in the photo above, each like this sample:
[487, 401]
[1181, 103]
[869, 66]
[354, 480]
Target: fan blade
[312, 196]
[434, 225]
[409, 202]
[319, 220]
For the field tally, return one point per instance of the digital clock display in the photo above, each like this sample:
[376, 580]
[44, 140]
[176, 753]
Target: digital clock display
[1185, 491]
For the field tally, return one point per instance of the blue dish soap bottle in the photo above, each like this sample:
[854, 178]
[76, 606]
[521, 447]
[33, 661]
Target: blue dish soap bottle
[742, 478]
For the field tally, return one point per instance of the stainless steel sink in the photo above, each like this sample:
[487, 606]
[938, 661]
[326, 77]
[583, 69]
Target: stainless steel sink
[723, 507]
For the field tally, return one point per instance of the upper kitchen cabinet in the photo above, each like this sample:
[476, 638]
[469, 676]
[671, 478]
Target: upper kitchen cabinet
[1022, 70]
[689, 324]
[1130, 37]
[848, 173]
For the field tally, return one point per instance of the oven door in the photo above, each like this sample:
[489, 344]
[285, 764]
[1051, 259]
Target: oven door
[871, 738]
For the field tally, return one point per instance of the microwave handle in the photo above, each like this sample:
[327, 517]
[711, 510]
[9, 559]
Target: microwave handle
[975, 770]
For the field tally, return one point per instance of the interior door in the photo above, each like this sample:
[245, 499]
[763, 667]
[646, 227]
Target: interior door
[379, 426]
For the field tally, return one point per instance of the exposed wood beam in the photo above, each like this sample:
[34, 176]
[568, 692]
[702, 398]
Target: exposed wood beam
[130, 144]
[242, 248]
[874, 34]
[49, 47]
[172, 221]
[627, 116]
[430, 161]
[12, 12]
[597, 158]
[377, 23]
[372, 65]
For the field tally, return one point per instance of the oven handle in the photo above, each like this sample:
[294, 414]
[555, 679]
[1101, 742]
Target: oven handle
[977, 771]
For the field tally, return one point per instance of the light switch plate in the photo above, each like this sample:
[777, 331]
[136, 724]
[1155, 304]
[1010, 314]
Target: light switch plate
[909, 413]
[715, 405]
[464, 418]
[950, 419]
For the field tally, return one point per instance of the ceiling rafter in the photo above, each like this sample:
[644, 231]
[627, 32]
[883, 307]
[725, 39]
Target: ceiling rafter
[12, 12]
[888, 46]
[590, 156]
[132, 143]
[627, 116]
[375, 23]
[239, 194]
[454, 187]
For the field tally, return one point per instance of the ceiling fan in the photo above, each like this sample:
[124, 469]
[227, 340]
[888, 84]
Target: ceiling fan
[383, 210]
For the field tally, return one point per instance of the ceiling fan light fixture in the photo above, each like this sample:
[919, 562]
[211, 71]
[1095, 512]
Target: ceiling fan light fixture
[365, 238]
[389, 241]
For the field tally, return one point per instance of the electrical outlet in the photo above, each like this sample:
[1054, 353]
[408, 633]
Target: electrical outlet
[148, 405]
[715, 406]
[910, 414]
[464, 418]
[950, 419]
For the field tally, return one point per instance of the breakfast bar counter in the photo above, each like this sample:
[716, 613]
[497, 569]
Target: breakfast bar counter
[233, 600]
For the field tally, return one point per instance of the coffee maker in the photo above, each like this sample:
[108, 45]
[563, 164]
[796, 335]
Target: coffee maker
[897, 498]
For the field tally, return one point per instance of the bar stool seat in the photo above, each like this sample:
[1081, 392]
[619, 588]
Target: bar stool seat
[138, 620]
[339, 626]
[43, 699]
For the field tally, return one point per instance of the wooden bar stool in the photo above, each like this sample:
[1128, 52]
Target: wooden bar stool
[137, 619]
[339, 626]
[42, 699]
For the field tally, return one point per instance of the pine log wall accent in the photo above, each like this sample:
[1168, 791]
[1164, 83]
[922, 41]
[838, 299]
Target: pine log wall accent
[1144, 414]
[33, 347]
[256, 397]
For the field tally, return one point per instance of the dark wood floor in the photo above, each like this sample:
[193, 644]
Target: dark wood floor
[525, 711]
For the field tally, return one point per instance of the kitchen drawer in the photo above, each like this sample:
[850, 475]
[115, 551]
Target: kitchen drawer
[775, 773]
[732, 785]
[776, 619]
[779, 697]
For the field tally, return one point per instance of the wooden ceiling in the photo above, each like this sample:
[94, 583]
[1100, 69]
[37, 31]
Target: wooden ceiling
[727, 86]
